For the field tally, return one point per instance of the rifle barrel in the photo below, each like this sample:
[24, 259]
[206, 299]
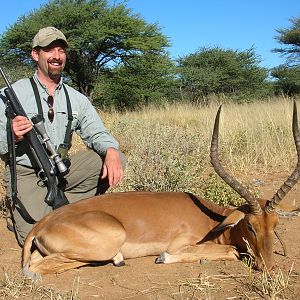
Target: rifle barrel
[5, 78]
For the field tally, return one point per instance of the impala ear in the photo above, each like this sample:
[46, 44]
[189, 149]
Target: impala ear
[230, 221]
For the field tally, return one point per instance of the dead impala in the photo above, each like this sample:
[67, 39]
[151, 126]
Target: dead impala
[176, 226]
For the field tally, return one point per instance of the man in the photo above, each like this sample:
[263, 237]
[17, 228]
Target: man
[92, 171]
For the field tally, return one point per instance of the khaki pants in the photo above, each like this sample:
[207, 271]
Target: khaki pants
[82, 181]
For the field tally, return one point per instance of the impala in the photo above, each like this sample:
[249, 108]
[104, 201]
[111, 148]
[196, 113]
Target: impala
[174, 226]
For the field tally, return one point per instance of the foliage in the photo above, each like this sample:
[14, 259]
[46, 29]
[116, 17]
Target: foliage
[217, 71]
[100, 37]
[168, 149]
[16, 72]
[161, 157]
[146, 79]
[288, 80]
[219, 192]
[288, 75]
[290, 39]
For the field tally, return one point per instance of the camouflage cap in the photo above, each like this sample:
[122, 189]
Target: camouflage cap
[46, 36]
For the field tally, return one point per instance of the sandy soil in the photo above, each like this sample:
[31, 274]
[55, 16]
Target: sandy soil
[142, 279]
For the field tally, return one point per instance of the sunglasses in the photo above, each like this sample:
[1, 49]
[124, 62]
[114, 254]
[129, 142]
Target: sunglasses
[50, 110]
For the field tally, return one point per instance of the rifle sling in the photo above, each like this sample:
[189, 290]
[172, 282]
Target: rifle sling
[16, 203]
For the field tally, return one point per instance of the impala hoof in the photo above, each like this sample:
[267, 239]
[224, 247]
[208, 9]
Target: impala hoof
[118, 260]
[31, 275]
[120, 264]
[160, 259]
[203, 261]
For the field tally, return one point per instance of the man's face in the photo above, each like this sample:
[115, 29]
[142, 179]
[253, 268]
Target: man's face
[51, 60]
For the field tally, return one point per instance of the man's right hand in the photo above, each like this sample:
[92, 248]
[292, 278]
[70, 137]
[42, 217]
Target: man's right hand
[20, 125]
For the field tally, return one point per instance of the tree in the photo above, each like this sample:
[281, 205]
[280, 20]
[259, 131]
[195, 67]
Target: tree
[287, 75]
[217, 71]
[100, 37]
[145, 79]
[290, 39]
[288, 80]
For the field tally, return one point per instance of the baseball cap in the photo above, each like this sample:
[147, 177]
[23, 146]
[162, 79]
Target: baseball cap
[46, 36]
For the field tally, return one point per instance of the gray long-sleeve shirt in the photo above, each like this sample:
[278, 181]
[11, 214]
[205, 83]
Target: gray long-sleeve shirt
[86, 121]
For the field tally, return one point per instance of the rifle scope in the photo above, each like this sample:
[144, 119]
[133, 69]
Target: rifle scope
[40, 127]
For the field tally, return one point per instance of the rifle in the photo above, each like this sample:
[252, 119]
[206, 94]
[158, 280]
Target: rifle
[49, 165]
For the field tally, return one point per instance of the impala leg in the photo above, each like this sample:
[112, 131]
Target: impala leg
[36, 256]
[208, 251]
[55, 263]
[60, 262]
[71, 244]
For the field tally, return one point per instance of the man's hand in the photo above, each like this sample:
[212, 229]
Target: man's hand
[112, 167]
[20, 125]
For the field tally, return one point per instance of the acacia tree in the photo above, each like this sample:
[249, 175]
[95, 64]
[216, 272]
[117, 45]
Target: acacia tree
[288, 80]
[289, 38]
[100, 38]
[288, 74]
[144, 80]
[218, 71]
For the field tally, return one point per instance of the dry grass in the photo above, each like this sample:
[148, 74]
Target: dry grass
[168, 148]
[270, 285]
[265, 285]
[15, 286]
[256, 135]
[201, 287]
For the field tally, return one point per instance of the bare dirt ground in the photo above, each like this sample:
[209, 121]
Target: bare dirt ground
[142, 279]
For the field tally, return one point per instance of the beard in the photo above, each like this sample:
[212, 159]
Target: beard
[55, 68]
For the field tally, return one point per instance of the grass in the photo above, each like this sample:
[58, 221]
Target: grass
[168, 150]
[201, 287]
[271, 285]
[15, 286]
[266, 285]
[274, 284]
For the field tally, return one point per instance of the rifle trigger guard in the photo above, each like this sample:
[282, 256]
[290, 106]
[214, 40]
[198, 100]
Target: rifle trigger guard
[41, 175]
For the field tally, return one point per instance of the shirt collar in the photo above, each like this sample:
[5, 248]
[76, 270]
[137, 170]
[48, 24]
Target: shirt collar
[35, 77]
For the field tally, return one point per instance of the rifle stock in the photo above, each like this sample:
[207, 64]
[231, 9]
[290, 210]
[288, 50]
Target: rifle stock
[55, 197]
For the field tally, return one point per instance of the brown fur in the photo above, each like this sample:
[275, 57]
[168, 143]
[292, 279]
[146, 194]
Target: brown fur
[176, 226]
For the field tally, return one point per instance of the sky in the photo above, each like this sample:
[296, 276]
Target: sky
[193, 24]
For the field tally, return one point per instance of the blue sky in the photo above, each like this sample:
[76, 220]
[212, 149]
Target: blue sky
[192, 24]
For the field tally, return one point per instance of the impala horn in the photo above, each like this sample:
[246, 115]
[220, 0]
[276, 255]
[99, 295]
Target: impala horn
[294, 177]
[232, 182]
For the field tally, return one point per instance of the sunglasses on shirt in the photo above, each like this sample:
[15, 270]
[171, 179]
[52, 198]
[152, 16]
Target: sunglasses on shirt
[50, 110]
